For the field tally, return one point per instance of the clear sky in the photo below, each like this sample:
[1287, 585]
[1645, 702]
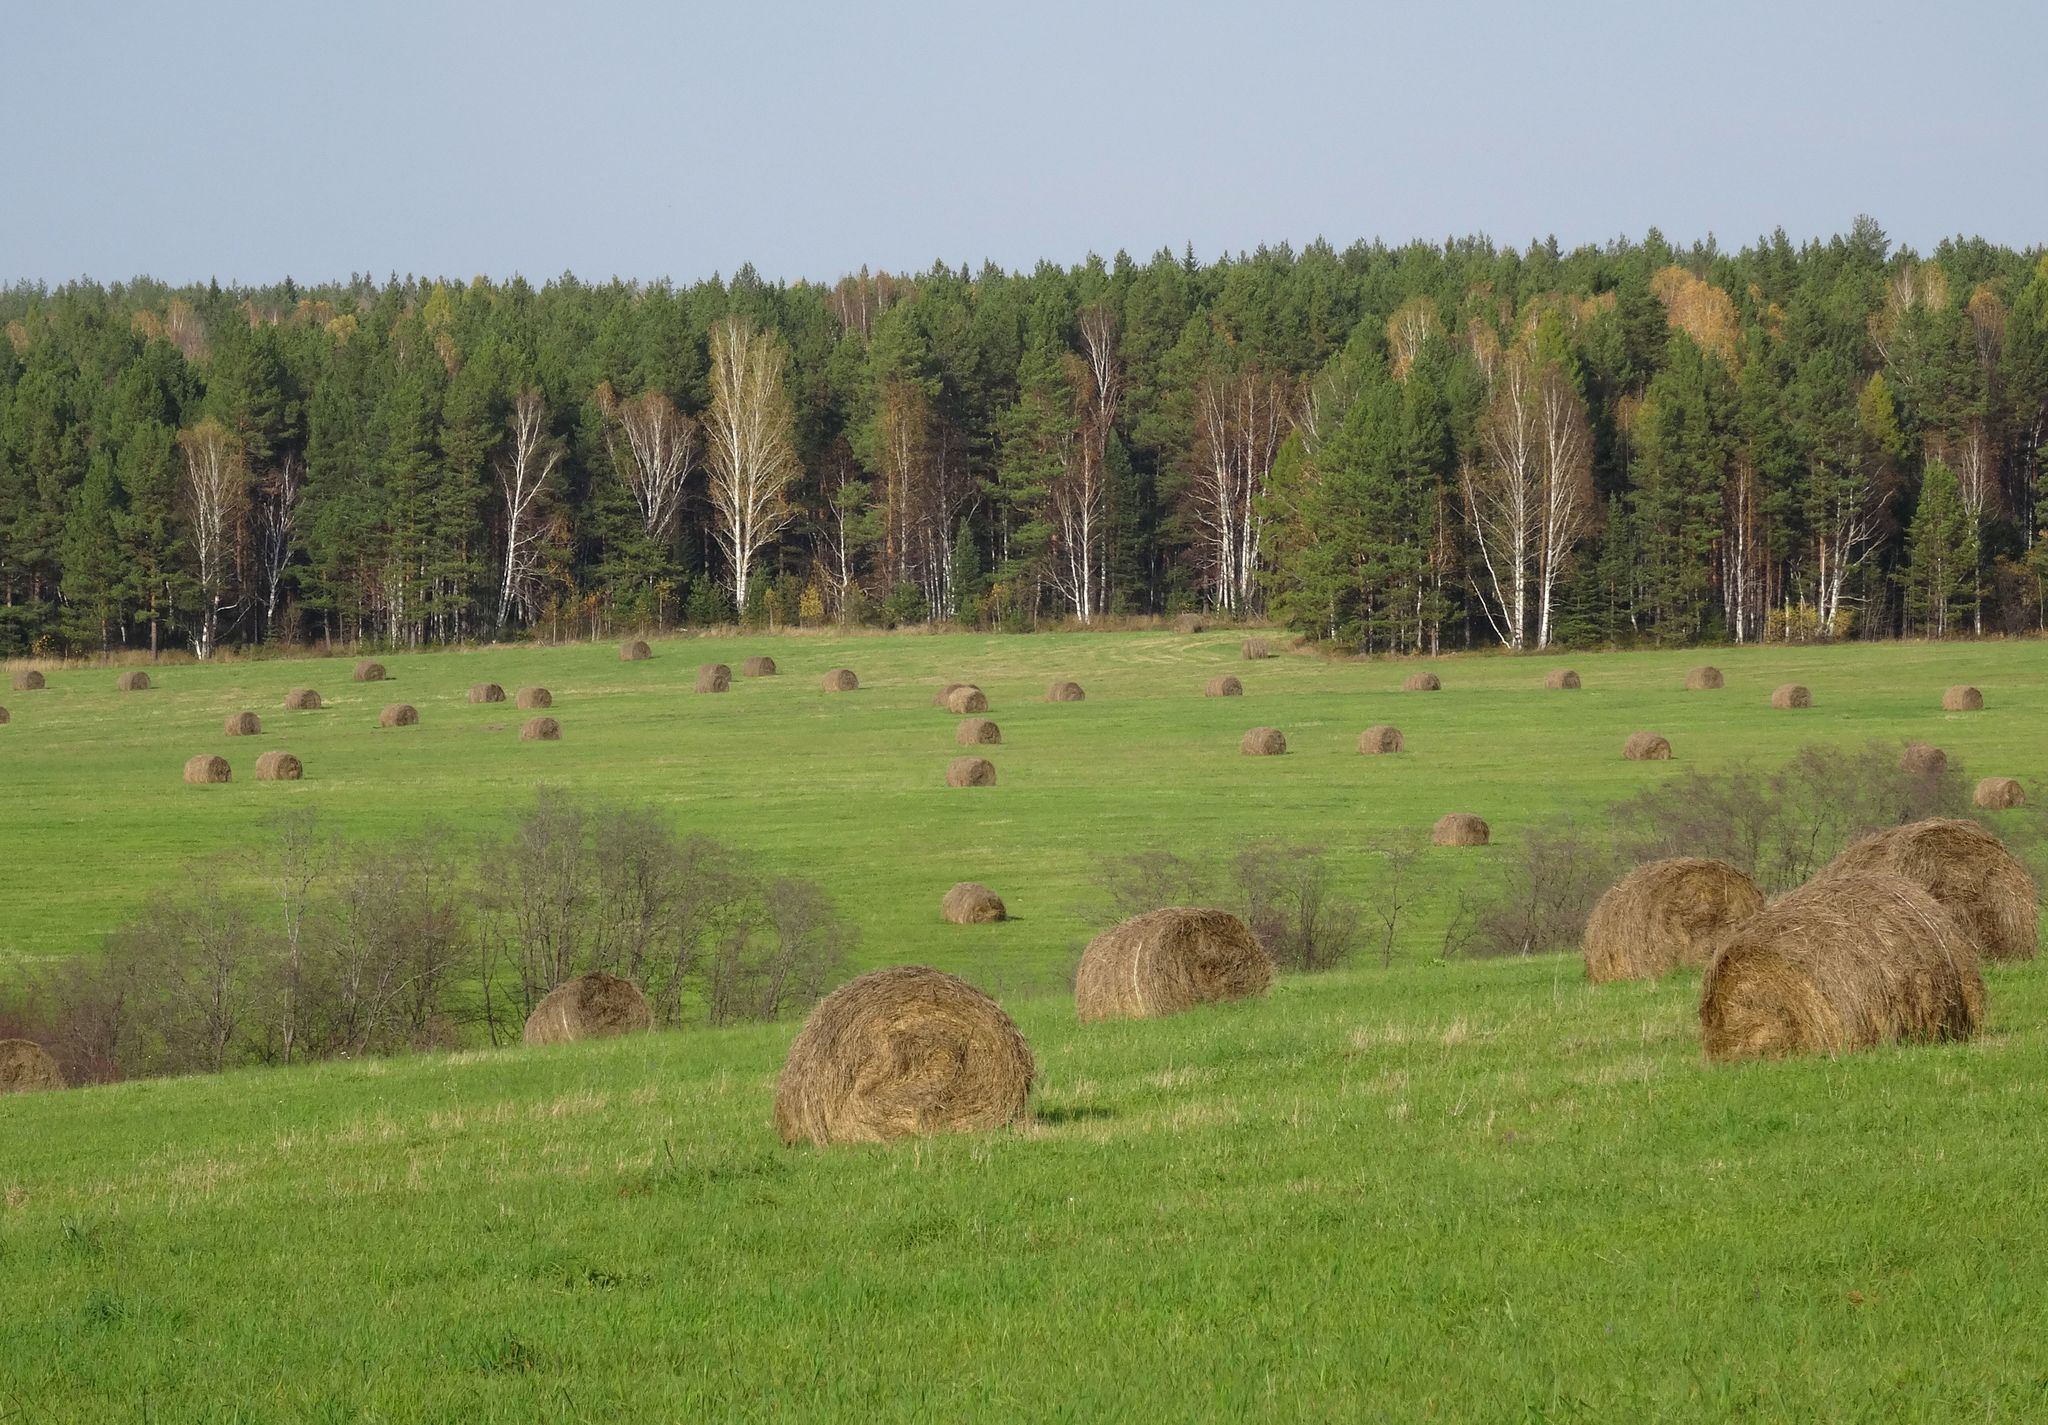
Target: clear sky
[643, 139]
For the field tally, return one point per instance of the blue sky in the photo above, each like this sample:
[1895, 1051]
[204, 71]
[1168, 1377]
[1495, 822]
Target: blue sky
[248, 142]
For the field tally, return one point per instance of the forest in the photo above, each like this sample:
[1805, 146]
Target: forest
[1389, 448]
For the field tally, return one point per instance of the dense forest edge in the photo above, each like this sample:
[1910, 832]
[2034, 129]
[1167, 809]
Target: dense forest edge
[1388, 448]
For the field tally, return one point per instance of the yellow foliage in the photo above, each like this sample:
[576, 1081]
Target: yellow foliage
[1699, 309]
[810, 605]
[342, 328]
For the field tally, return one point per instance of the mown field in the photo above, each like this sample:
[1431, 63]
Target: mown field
[1455, 1191]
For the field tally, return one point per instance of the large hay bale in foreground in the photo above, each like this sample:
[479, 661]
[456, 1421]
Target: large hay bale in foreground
[1923, 759]
[486, 693]
[634, 651]
[368, 672]
[277, 765]
[1845, 962]
[1422, 683]
[1646, 747]
[1999, 793]
[1379, 739]
[967, 700]
[540, 729]
[1969, 873]
[1065, 691]
[1704, 678]
[1223, 685]
[590, 1006]
[242, 724]
[759, 666]
[1262, 742]
[1560, 680]
[399, 715]
[1664, 916]
[1459, 828]
[1962, 698]
[839, 680]
[972, 903]
[898, 1053]
[530, 698]
[1166, 961]
[206, 769]
[132, 681]
[26, 1067]
[28, 680]
[1253, 649]
[1791, 695]
[970, 772]
[977, 732]
[714, 678]
[302, 700]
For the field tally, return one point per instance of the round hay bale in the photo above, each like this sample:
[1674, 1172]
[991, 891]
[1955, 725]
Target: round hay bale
[1263, 742]
[1065, 691]
[132, 681]
[1188, 623]
[714, 678]
[28, 680]
[1253, 649]
[898, 1053]
[540, 729]
[1646, 747]
[368, 672]
[840, 680]
[1922, 758]
[1704, 678]
[1999, 793]
[5, 717]
[302, 700]
[277, 765]
[759, 666]
[977, 732]
[530, 698]
[1791, 695]
[26, 1067]
[1664, 916]
[1845, 962]
[945, 694]
[242, 724]
[635, 651]
[1379, 739]
[590, 1006]
[1561, 680]
[970, 772]
[206, 769]
[1422, 683]
[967, 700]
[1962, 698]
[1223, 685]
[399, 715]
[1166, 961]
[972, 903]
[486, 693]
[1969, 873]
[1459, 828]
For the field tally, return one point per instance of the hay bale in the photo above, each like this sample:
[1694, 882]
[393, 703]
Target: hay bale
[1263, 742]
[206, 769]
[902, 1052]
[5, 717]
[714, 678]
[1188, 623]
[1253, 649]
[759, 666]
[1962, 698]
[242, 724]
[945, 694]
[635, 651]
[590, 1006]
[1167, 961]
[1065, 691]
[132, 681]
[1704, 678]
[972, 903]
[278, 765]
[1999, 793]
[486, 693]
[977, 732]
[1379, 739]
[1459, 828]
[28, 680]
[540, 729]
[26, 1067]
[1923, 759]
[970, 772]
[1223, 685]
[1969, 873]
[1664, 916]
[1561, 680]
[1646, 747]
[840, 680]
[398, 715]
[1422, 683]
[1845, 962]
[530, 698]
[302, 700]
[368, 672]
[967, 700]
[1791, 695]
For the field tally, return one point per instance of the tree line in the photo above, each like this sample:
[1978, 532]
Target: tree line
[1397, 448]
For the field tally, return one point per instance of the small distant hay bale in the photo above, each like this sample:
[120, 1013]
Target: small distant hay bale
[1263, 742]
[1791, 695]
[1188, 623]
[1646, 747]
[967, 700]
[714, 678]
[1223, 685]
[635, 651]
[302, 700]
[2000, 793]
[536, 698]
[242, 724]
[977, 732]
[1167, 961]
[1065, 691]
[277, 765]
[28, 680]
[5, 717]
[1922, 758]
[1845, 962]
[1962, 698]
[970, 772]
[1253, 649]
[591, 1006]
[972, 903]
[759, 666]
[1665, 916]
[1561, 680]
[486, 693]
[26, 1067]
[368, 672]
[540, 729]
[1379, 739]
[206, 769]
[945, 695]
[399, 715]
[1704, 678]
[840, 680]
[1969, 873]
[1459, 828]
[1422, 683]
[132, 681]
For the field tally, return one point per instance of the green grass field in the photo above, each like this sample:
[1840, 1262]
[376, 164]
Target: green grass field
[1463, 1191]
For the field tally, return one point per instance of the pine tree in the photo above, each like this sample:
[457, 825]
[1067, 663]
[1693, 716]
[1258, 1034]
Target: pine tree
[1941, 556]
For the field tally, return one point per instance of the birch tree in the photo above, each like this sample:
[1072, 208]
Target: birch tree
[215, 494]
[277, 522]
[1501, 499]
[751, 437]
[523, 474]
[1241, 420]
[653, 447]
[1565, 473]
